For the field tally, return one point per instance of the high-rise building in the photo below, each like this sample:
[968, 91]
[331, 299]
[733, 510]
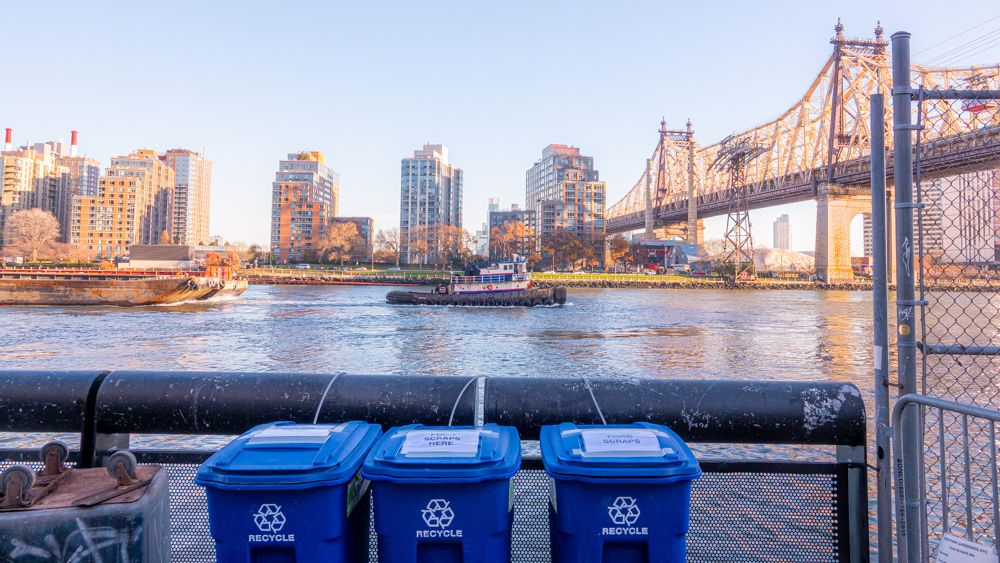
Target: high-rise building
[109, 223]
[192, 196]
[483, 241]
[565, 192]
[84, 172]
[961, 218]
[305, 195]
[133, 205]
[782, 235]
[34, 177]
[483, 236]
[968, 217]
[430, 196]
[932, 223]
[866, 225]
[154, 202]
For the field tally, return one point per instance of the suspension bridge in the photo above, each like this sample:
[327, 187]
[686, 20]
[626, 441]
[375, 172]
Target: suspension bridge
[819, 149]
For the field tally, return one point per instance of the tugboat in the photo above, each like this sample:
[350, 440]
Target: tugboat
[504, 284]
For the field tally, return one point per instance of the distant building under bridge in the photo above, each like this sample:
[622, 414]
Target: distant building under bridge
[656, 254]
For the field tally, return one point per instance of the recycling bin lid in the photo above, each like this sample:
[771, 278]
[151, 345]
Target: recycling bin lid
[431, 454]
[638, 450]
[288, 455]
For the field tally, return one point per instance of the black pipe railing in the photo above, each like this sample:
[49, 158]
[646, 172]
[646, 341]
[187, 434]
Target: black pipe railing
[760, 412]
[777, 412]
[105, 408]
[45, 401]
[229, 403]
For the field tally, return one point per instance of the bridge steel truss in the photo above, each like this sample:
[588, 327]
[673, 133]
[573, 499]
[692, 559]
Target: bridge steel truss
[825, 137]
[734, 157]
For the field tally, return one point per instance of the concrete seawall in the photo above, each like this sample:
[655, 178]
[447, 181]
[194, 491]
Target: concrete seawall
[568, 281]
[703, 284]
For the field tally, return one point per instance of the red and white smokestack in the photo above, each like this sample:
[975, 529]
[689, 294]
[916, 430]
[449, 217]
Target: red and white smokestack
[72, 143]
[7, 139]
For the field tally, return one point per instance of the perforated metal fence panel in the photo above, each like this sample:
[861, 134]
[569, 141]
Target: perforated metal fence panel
[735, 516]
[765, 517]
[190, 539]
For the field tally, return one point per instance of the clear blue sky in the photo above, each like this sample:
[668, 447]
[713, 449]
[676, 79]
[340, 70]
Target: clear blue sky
[368, 82]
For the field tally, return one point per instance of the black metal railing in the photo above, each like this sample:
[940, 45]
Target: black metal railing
[742, 509]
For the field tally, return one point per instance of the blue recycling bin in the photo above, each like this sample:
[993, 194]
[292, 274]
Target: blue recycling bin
[618, 493]
[285, 492]
[444, 494]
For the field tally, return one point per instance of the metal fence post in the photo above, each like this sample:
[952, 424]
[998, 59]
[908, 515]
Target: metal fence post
[908, 452]
[883, 469]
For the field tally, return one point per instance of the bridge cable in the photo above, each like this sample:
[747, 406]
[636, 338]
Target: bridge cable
[986, 47]
[981, 24]
[963, 48]
[958, 48]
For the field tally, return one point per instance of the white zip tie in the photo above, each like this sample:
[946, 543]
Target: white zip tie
[322, 399]
[458, 399]
[586, 383]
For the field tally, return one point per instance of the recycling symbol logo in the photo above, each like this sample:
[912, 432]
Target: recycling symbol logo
[438, 513]
[624, 511]
[269, 518]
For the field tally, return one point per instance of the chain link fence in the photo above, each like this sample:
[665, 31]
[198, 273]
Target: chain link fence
[957, 261]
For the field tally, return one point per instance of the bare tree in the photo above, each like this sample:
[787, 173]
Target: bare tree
[337, 242]
[72, 253]
[31, 232]
[423, 242]
[387, 245]
[360, 249]
[233, 260]
[566, 248]
[618, 248]
[500, 240]
[513, 237]
[455, 246]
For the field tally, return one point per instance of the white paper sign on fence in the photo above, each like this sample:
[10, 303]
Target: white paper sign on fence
[954, 549]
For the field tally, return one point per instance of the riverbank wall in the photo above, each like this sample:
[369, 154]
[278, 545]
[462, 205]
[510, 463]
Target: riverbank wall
[694, 283]
[644, 282]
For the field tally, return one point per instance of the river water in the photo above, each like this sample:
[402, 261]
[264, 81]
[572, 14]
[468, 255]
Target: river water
[703, 334]
[669, 333]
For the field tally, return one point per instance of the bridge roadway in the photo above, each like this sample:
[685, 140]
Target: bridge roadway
[965, 152]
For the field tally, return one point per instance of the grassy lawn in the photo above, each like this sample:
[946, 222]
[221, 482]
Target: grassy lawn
[410, 274]
[320, 271]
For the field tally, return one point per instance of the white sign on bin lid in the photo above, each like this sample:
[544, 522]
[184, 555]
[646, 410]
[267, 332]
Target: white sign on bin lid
[441, 443]
[622, 442]
[299, 434]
